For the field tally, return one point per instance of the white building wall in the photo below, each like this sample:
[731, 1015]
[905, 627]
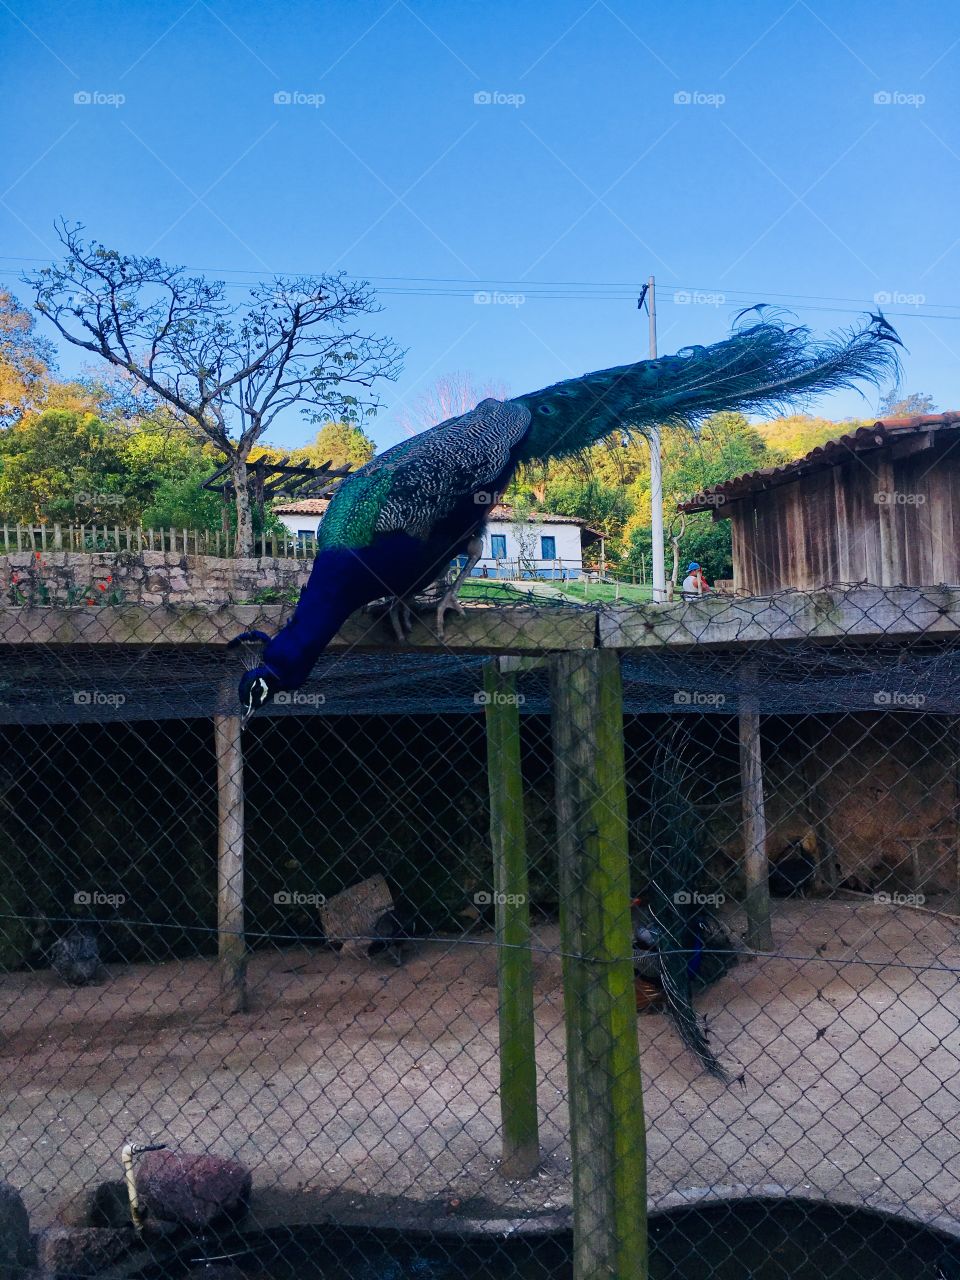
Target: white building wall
[297, 524]
[522, 545]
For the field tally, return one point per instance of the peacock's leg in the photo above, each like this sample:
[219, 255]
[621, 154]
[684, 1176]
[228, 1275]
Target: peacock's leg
[401, 618]
[449, 600]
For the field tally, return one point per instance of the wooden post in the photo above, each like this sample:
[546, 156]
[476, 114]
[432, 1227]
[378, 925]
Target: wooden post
[756, 868]
[518, 1064]
[607, 1131]
[230, 831]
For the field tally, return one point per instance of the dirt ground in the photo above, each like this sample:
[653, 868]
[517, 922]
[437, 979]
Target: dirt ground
[379, 1084]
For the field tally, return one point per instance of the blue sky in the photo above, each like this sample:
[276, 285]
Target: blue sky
[781, 178]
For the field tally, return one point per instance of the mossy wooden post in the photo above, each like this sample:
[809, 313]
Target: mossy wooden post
[608, 1140]
[230, 831]
[518, 1064]
[756, 867]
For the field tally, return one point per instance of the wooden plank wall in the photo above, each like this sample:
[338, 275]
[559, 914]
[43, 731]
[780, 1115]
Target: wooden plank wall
[877, 518]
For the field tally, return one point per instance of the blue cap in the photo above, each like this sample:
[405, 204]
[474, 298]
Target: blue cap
[691, 566]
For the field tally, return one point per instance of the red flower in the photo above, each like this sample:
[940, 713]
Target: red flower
[110, 577]
[89, 602]
[101, 586]
[15, 578]
[36, 555]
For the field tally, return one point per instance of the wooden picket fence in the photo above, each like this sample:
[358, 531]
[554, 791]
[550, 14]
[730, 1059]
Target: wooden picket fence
[183, 542]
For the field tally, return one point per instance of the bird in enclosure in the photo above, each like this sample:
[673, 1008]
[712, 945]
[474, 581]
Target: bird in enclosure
[710, 952]
[392, 937]
[76, 958]
[395, 525]
[679, 943]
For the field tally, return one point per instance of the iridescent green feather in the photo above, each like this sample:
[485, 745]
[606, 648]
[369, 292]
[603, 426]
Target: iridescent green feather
[350, 519]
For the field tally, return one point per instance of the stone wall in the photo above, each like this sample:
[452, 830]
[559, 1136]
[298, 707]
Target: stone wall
[147, 577]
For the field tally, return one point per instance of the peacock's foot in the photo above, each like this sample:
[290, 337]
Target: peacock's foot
[448, 604]
[401, 619]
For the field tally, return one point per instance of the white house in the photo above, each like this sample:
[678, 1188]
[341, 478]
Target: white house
[301, 518]
[537, 545]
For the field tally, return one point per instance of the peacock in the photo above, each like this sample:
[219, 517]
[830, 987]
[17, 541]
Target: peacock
[678, 941]
[395, 525]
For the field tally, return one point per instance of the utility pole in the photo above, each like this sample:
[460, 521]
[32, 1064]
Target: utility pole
[656, 466]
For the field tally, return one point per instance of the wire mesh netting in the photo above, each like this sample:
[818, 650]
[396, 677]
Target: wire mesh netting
[460, 958]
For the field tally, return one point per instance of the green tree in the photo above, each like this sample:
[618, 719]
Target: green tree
[225, 370]
[795, 435]
[25, 359]
[64, 465]
[916, 403]
[344, 444]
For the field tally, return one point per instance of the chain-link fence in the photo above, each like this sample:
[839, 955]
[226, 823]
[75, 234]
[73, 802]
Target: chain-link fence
[457, 959]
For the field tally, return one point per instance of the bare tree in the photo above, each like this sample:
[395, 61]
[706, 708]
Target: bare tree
[226, 369]
[450, 396]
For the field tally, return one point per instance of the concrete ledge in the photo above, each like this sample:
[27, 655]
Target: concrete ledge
[833, 613]
[514, 630]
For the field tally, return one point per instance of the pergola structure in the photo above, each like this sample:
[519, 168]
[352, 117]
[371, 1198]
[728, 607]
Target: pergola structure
[278, 480]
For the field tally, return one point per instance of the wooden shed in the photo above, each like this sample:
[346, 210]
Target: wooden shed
[880, 505]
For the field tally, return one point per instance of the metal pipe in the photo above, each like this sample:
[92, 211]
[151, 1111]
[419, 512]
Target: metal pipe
[130, 1150]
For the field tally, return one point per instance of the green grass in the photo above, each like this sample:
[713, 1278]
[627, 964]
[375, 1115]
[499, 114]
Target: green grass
[492, 591]
[606, 592]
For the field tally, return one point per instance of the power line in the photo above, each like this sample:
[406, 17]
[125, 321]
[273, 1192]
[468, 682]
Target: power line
[573, 290]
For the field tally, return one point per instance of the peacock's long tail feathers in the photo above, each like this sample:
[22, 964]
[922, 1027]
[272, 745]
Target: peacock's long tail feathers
[767, 365]
[676, 871]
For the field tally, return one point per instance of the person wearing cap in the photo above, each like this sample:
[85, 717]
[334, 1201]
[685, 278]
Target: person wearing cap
[695, 583]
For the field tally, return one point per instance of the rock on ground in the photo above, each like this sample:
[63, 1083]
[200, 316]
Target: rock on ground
[81, 1251]
[193, 1190]
[15, 1247]
[104, 1205]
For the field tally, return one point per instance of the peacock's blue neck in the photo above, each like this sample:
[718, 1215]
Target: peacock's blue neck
[337, 587]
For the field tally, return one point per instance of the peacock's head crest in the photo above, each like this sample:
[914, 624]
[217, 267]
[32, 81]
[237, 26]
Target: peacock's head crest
[256, 689]
[259, 683]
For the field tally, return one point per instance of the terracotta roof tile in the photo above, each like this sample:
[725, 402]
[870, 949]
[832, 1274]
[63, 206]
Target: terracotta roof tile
[829, 454]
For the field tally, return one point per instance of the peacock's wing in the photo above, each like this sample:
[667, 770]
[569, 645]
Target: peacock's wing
[419, 482]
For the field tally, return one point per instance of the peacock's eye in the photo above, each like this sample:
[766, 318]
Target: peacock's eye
[546, 409]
